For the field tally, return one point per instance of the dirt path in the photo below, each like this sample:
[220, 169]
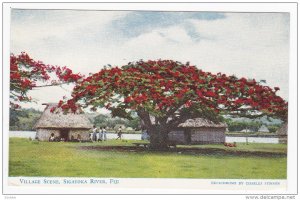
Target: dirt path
[193, 151]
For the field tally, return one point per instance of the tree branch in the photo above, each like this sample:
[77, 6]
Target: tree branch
[39, 86]
[173, 123]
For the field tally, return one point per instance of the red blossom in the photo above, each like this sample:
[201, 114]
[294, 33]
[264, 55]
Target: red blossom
[199, 93]
[52, 109]
[188, 104]
[127, 100]
[159, 86]
[25, 73]
[210, 94]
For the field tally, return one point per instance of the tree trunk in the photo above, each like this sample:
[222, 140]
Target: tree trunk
[158, 138]
[157, 130]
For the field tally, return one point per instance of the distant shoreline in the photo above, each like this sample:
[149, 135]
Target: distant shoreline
[255, 135]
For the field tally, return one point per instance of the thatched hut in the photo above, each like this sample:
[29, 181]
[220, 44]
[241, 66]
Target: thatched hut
[283, 130]
[66, 126]
[198, 131]
[283, 133]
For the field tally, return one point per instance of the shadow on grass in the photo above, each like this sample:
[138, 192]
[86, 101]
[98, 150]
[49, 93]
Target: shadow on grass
[190, 151]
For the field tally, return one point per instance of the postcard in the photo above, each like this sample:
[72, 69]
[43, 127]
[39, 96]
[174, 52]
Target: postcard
[150, 98]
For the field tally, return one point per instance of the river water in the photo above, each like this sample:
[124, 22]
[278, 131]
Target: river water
[28, 134]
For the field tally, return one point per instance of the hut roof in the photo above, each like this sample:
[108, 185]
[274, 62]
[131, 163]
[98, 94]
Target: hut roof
[200, 122]
[60, 120]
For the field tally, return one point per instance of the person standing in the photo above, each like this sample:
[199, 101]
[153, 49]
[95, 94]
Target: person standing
[145, 135]
[79, 137]
[104, 134]
[99, 135]
[119, 132]
[93, 135]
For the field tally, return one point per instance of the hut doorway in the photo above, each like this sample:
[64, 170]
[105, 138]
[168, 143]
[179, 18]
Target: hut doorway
[187, 136]
[64, 134]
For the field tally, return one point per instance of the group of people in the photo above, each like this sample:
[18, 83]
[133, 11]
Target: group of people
[98, 135]
[54, 138]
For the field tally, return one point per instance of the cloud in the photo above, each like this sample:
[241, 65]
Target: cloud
[254, 45]
[58, 37]
[249, 45]
[137, 23]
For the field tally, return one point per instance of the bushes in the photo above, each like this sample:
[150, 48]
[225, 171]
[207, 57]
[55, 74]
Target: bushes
[236, 126]
[108, 121]
[23, 119]
[273, 128]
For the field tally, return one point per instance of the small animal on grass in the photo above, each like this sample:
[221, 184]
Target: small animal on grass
[230, 144]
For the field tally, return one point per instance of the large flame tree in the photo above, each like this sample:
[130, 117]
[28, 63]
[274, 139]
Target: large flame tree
[165, 93]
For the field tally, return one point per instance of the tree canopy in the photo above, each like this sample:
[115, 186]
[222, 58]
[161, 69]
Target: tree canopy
[164, 93]
[165, 87]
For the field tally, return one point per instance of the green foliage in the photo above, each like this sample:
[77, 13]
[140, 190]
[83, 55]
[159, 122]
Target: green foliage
[119, 112]
[23, 119]
[134, 123]
[273, 128]
[13, 117]
[100, 120]
[108, 121]
[236, 126]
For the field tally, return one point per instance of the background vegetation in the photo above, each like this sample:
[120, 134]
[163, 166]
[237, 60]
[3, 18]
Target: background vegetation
[24, 119]
[102, 120]
[251, 126]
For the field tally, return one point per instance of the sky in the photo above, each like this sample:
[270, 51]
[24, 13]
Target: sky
[251, 45]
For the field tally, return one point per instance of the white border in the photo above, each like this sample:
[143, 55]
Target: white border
[223, 7]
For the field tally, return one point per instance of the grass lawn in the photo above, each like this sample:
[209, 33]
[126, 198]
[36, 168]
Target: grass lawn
[32, 158]
[243, 147]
